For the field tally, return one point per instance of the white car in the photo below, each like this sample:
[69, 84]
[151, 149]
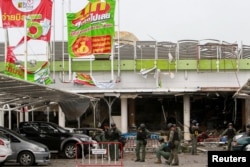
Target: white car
[5, 148]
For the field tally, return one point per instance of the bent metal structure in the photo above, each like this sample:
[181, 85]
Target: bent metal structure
[156, 82]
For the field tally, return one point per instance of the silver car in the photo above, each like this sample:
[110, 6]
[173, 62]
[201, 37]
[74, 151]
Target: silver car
[5, 149]
[25, 151]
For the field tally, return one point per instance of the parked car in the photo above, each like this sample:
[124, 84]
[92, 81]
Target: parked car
[5, 148]
[56, 138]
[95, 133]
[241, 142]
[25, 151]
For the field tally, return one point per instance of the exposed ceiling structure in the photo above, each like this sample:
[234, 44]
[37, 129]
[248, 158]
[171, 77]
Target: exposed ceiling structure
[19, 94]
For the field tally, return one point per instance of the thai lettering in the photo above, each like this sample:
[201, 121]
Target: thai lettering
[12, 69]
[94, 8]
[19, 17]
[16, 17]
[93, 18]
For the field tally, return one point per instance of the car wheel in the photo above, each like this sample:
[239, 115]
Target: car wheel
[26, 158]
[70, 151]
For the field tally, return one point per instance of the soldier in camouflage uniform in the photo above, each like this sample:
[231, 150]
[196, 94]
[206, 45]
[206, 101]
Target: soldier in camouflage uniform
[115, 135]
[173, 144]
[163, 150]
[230, 132]
[194, 132]
[141, 142]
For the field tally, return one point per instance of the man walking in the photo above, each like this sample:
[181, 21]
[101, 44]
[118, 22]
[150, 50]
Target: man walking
[230, 132]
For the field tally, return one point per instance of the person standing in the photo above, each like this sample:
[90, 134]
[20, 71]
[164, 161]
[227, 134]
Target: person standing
[173, 142]
[248, 129]
[141, 142]
[194, 132]
[115, 135]
[230, 132]
[163, 150]
[180, 138]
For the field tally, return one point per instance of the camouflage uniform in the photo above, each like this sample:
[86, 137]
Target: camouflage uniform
[194, 132]
[163, 150]
[115, 135]
[173, 142]
[230, 132]
[141, 142]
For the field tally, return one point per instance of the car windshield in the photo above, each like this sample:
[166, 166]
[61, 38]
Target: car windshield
[13, 133]
[3, 136]
[61, 129]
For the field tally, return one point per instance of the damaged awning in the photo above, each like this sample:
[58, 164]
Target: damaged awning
[18, 94]
[244, 91]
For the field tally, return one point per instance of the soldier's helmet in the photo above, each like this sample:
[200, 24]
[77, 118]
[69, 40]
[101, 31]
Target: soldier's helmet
[142, 125]
[170, 125]
[194, 121]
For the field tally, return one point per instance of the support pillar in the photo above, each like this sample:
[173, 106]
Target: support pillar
[26, 113]
[124, 115]
[94, 104]
[247, 112]
[21, 113]
[61, 117]
[131, 113]
[1, 117]
[9, 116]
[186, 122]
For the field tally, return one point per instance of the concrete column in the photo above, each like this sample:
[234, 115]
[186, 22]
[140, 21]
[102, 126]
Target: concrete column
[10, 119]
[186, 110]
[21, 113]
[1, 117]
[131, 112]
[26, 113]
[124, 115]
[61, 117]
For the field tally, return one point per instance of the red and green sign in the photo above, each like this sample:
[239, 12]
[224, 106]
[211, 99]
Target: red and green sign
[37, 13]
[91, 30]
[12, 68]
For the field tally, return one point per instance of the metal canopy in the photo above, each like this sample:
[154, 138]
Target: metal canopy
[19, 93]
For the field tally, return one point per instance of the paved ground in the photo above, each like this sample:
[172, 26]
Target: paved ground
[186, 159]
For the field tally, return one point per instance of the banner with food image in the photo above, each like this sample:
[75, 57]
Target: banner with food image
[91, 30]
[38, 15]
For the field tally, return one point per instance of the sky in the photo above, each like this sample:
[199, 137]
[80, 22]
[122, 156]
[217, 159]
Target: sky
[173, 20]
[168, 20]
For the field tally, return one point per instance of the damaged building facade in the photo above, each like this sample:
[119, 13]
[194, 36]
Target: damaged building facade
[155, 83]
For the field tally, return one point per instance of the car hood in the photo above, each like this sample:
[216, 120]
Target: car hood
[88, 138]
